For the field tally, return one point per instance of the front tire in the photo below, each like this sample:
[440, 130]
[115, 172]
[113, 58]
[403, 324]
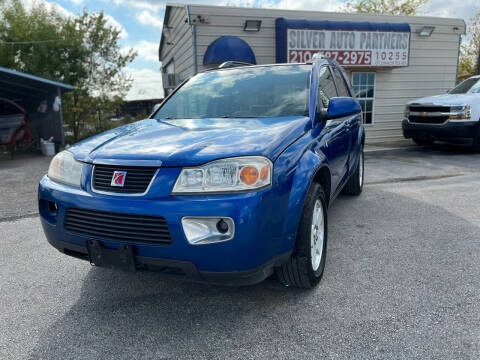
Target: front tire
[305, 267]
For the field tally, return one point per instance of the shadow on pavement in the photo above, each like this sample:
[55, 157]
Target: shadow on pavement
[400, 282]
[440, 148]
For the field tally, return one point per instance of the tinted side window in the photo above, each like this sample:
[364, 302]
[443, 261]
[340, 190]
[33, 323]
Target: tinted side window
[326, 87]
[341, 86]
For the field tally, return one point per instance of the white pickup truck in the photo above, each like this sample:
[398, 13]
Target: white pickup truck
[451, 117]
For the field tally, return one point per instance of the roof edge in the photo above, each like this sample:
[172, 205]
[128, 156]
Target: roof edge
[174, 4]
[36, 78]
[166, 18]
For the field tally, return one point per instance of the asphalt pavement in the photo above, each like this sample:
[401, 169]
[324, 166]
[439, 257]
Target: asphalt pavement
[402, 281]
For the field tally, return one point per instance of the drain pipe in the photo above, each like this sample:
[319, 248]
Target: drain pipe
[194, 35]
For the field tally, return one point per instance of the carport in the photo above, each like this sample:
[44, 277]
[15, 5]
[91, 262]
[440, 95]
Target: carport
[40, 98]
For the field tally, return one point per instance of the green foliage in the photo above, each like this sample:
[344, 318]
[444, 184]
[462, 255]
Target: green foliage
[389, 7]
[81, 50]
[467, 65]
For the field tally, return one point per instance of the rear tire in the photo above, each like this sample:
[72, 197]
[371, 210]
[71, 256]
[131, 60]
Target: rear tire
[354, 185]
[305, 267]
[422, 141]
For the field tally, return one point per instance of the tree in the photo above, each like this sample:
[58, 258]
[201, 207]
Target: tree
[389, 7]
[81, 50]
[469, 50]
[104, 83]
[28, 39]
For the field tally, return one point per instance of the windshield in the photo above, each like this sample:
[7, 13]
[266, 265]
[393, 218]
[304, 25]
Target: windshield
[267, 91]
[469, 86]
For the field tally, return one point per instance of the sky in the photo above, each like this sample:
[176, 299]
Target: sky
[141, 21]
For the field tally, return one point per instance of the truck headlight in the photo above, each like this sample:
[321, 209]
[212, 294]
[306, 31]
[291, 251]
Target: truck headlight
[406, 112]
[460, 112]
[244, 173]
[65, 169]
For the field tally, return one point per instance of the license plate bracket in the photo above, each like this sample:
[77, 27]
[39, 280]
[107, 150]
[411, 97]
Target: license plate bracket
[122, 258]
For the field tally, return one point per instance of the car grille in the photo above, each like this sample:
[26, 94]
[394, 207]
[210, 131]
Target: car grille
[444, 109]
[136, 182]
[118, 226]
[427, 120]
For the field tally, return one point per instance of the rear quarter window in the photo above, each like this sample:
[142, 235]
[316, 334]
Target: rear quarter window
[342, 87]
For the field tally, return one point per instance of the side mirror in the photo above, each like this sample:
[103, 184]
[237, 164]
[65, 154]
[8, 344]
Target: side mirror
[155, 108]
[339, 107]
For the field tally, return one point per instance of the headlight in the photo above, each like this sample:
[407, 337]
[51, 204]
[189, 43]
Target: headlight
[226, 175]
[460, 112]
[65, 169]
[406, 112]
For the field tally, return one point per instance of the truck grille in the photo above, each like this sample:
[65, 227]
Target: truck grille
[429, 109]
[427, 120]
[118, 226]
[136, 182]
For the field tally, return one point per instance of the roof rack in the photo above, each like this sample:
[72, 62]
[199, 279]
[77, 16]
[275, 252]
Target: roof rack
[230, 64]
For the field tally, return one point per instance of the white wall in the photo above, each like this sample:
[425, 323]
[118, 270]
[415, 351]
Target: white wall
[178, 46]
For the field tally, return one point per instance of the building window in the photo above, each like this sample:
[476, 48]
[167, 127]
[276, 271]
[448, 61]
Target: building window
[170, 79]
[364, 88]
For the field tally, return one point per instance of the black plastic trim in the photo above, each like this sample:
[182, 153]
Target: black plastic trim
[188, 269]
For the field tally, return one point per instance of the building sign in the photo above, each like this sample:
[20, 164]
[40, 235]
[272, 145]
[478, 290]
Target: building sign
[352, 44]
[350, 48]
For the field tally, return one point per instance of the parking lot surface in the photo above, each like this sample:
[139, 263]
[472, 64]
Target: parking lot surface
[402, 280]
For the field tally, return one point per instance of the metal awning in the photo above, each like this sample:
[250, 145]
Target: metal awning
[18, 84]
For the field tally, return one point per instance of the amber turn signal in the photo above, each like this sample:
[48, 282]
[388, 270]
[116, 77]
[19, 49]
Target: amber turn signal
[249, 175]
[264, 172]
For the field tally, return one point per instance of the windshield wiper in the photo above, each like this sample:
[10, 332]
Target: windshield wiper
[240, 117]
[178, 118]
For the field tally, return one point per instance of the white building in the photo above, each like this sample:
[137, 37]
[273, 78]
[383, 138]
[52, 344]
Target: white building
[390, 59]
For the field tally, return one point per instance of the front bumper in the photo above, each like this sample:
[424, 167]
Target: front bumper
[248, 258]
[451, 130]
[185, 269]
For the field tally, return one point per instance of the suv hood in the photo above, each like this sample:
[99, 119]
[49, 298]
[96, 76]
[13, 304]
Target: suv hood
[187, 142]
[448, 99]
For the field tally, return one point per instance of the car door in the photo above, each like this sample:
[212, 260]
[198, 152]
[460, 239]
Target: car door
[337, 141]
[353, 122]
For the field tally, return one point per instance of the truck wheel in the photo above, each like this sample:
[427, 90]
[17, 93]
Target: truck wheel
[354, 186]
[476, 141]
[305, 267]
[422, 141]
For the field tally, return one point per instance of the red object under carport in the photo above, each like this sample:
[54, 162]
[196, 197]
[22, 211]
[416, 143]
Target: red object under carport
[30, 94]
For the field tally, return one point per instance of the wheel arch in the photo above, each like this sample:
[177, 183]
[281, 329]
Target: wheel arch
[323, 177]
[312, 168]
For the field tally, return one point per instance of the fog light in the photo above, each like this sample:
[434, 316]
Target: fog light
[222, 226]
[48, 210]
[52, 208]
[207, 230]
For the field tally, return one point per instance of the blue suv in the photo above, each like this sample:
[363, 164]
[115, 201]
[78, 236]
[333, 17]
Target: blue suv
[227, 182]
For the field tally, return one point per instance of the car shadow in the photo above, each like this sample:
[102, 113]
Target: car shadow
[390, 269]
[149, 314]
[442, 148]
